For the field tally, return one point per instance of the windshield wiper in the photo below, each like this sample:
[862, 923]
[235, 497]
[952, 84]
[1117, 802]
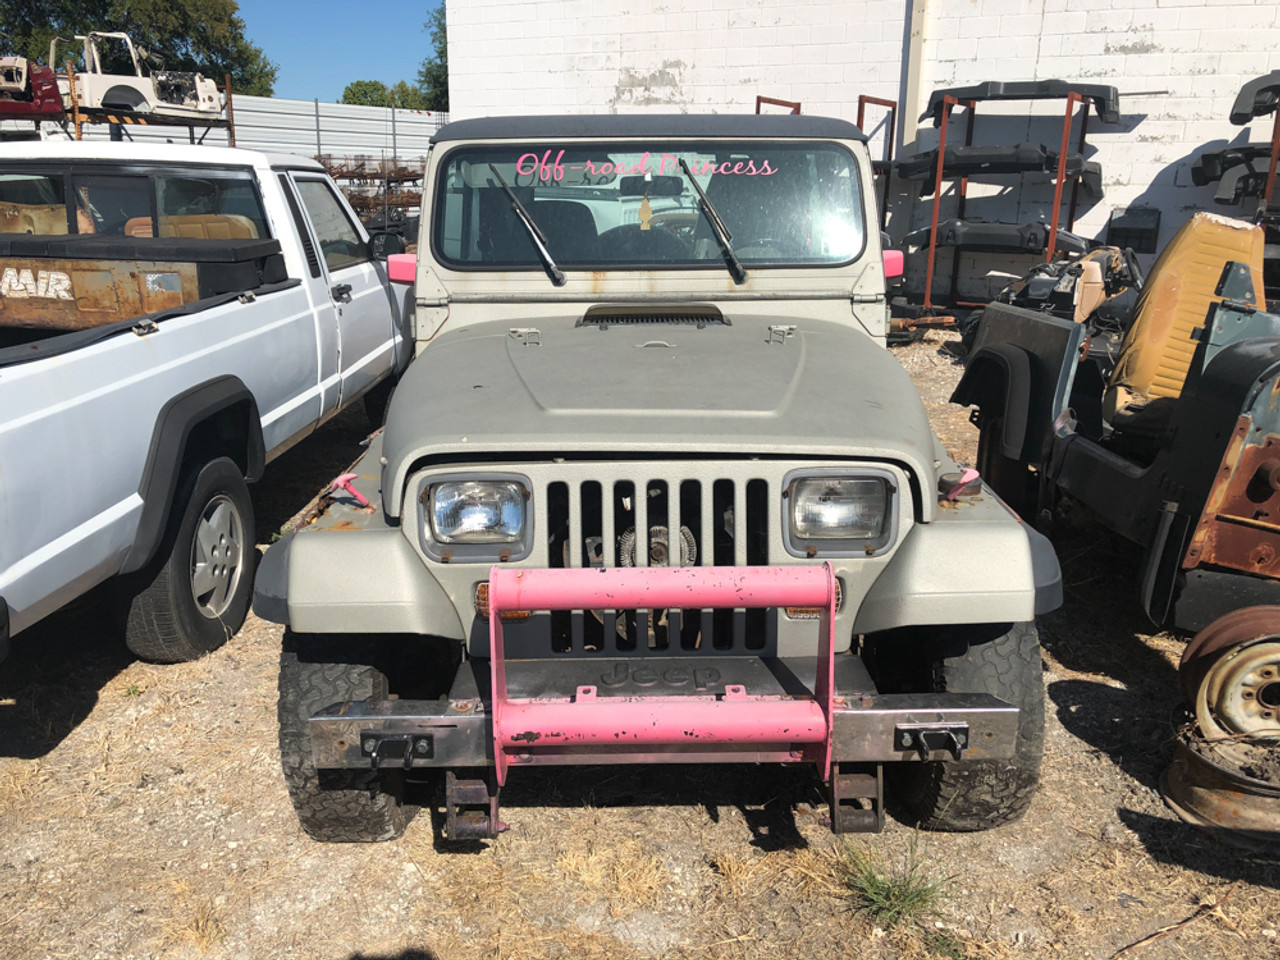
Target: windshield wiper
[721, 232]
[539, 241]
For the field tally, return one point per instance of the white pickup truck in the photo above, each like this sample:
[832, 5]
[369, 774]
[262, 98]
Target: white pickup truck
[171, 318]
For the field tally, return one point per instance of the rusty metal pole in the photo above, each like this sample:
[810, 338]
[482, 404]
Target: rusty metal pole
[947, 104]
[890, 134]
[774, 101]
[1072, 99]
[231, 115]
[971, 107]
[1080, 141]
[75, 102]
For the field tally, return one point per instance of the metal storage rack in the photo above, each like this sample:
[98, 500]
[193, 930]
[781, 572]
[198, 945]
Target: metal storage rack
[1105, 101]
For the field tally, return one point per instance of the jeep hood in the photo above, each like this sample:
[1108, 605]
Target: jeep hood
[753, 388]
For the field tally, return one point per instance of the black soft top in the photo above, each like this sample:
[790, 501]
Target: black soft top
[772, 126]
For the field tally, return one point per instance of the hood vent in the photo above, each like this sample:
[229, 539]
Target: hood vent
[682, 315]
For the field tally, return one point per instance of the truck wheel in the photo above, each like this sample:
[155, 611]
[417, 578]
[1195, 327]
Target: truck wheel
[334, 806]
[977, 794]
[198, 596]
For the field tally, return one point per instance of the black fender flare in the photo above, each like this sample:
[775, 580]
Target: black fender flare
[165, 456]
[998, 379]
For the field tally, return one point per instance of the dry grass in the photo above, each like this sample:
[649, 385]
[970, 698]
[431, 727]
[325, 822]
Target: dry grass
[617, 872]
[204, 930]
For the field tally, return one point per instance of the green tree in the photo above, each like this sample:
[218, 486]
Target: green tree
[433, 75]
[366, 93]
[203, 35]
[375, 93]
[408, 98]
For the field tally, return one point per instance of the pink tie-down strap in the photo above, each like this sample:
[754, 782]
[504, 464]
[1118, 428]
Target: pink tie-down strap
[520, 726]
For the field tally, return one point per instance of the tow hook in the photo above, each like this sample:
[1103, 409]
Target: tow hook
[386, 750]
[952, 738]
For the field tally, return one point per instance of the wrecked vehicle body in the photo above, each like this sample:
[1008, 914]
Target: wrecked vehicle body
[1169, 437]
[175, 94]
[28, 91]
[1170, 446]
[654, 491]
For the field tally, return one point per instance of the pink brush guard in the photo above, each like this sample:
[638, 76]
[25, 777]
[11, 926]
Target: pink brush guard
[521, 726]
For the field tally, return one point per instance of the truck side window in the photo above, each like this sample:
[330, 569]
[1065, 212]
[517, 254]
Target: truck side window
[32, 203]
[210, 207]
[339, 241]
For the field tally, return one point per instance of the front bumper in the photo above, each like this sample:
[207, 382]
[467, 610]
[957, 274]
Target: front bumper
[822, 710]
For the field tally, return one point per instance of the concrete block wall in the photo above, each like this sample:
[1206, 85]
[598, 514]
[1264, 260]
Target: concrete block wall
[1176, 63]
[678, 56]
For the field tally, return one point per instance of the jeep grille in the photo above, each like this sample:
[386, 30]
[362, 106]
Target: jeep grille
[691, 522]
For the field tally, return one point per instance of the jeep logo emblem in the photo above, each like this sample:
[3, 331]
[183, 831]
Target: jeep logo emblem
[641, 676]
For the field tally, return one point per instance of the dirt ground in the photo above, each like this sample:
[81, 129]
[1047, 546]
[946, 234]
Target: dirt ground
[145, 816]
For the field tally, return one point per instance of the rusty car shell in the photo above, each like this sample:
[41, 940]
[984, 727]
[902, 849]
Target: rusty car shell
[1204, 495]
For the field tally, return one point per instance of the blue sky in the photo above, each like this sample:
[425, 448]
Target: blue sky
[322, 45]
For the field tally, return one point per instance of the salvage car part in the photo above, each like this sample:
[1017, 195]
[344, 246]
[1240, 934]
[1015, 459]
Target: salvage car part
[1106, 99]
[1225, 774]
[1032, 238]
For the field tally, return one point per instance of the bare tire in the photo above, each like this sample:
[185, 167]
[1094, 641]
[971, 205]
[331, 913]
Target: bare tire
[201, 581]
[334, 806]
[977, 794]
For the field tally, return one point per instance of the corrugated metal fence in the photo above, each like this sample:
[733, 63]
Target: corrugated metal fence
[307, 127]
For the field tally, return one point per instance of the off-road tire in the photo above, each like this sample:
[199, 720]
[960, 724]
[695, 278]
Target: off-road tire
[976, 794]
[334, 806]
[164, 620]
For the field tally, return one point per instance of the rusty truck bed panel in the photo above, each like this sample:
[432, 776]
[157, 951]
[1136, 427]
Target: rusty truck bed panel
[79, 294]
[60, 284]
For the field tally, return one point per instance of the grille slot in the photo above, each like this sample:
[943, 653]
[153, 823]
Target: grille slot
[684, 316]
[689, 522]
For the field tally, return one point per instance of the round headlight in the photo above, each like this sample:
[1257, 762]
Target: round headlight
[839, 508]
[477, 511]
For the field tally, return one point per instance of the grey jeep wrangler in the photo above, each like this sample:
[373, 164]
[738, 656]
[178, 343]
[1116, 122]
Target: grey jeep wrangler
[654, 491]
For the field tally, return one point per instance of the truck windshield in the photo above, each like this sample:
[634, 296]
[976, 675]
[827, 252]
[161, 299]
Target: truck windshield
[630, 205]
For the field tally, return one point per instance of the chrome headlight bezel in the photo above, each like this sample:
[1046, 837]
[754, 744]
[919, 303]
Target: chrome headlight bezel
[461, 551]
[812, 547]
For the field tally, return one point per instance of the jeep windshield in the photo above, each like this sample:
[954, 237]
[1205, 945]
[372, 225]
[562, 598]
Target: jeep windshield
[631, 206]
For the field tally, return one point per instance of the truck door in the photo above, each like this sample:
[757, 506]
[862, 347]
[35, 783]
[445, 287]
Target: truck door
[366, 312]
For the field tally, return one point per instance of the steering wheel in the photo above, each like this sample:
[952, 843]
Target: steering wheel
[629, 242]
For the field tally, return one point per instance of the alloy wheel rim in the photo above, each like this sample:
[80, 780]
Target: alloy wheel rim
[217, 557]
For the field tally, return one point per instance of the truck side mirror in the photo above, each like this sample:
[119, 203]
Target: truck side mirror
[401, 267]
[384, 245]
[892, 264]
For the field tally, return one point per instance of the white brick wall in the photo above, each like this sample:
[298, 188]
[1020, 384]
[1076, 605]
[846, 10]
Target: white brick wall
[1176, 63]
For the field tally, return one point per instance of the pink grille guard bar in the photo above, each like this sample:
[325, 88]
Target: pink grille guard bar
[524, 726]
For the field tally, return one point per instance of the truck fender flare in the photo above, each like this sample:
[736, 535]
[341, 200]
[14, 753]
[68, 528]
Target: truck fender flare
[998, 380]
[166, 456]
